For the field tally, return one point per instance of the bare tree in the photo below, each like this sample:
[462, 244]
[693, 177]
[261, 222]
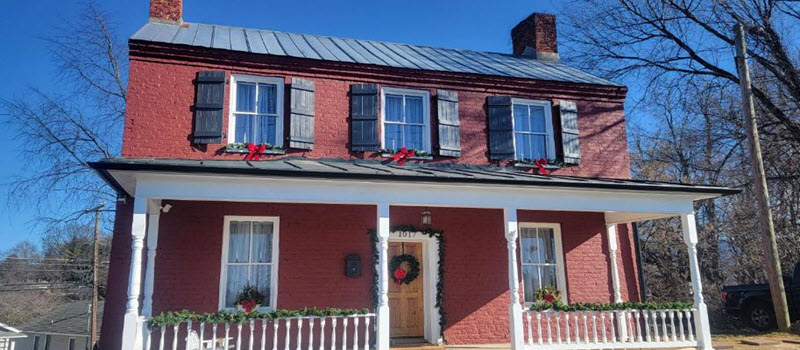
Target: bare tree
[77, 119]
[689, 126]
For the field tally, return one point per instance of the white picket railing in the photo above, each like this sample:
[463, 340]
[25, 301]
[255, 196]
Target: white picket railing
[297, 333]
[609, 329]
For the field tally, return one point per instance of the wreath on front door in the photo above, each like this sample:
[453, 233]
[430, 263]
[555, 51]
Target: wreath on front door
[404, 268]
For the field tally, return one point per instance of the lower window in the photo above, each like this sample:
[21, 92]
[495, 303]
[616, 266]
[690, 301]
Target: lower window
[249, 258]
[542, 259]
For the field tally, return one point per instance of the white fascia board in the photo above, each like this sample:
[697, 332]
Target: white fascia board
[336, 191]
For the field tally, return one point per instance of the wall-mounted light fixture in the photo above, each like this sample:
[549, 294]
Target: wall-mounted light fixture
[426, 218]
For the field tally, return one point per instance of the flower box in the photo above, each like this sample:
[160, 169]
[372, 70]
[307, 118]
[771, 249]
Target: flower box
[242, 148]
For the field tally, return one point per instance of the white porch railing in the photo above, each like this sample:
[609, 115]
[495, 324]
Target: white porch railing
[298, 333]
[609, 329]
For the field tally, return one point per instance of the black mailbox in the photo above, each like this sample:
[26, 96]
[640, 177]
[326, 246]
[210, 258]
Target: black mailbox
[352, 266]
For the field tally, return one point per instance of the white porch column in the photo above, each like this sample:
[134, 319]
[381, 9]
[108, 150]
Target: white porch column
[613, 246]
[153, 215]
[515, 308]
[131, 329]
[612, 260]
[382, 329]
[701, 323]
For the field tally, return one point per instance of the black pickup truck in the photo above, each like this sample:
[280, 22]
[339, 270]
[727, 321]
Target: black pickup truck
[753, 302]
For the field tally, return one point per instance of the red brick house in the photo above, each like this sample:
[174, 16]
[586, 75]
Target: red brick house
[270, 159]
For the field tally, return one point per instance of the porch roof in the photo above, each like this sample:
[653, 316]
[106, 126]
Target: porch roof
[110, 168]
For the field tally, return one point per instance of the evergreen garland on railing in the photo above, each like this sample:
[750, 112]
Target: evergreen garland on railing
[559, 306]
[171, 318]
[439, 236]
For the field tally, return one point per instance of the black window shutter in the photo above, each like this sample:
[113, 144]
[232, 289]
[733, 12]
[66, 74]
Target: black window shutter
[301, 123]
[449, 135]
[501, 128]
[209, 103]
[364, 117]
[571, 148]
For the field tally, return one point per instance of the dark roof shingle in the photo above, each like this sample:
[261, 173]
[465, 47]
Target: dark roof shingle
[71, 318]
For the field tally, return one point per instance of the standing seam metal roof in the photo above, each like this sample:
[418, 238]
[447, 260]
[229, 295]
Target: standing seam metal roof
[372, 52]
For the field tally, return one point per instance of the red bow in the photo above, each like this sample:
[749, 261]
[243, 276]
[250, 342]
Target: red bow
[399, 275]
[403, 155]
[255, 151]
[540, 163]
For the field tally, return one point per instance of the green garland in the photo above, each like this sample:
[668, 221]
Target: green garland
[439, 236]
[417, 152]
[243, 146]
[171, 318]
[560, 306]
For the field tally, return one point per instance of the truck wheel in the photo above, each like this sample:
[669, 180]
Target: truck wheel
[761, 316]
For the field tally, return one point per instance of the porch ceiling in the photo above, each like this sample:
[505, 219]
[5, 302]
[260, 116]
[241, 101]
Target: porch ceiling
[369, 182]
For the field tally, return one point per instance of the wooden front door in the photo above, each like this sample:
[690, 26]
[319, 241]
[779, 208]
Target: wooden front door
[405, 300]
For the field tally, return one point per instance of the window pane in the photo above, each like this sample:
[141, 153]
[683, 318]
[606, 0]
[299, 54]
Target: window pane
[537, 119]
[413, 137]
[261, 279]
[394, 108]
[548, 245]
[530, 281]
[549, 276]
[267, 94]
[267, 130]
[528, 245]
[538, 147]
[239, 243]
[523, 145]
[237, 278]
[414, 109]
[244, 128]
[245, 97]
[262, 242]
[521, 118]
[393, 136]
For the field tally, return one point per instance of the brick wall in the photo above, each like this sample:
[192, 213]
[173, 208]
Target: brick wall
[161, 95]
[314, 239]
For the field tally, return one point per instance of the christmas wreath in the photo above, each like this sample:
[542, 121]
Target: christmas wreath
[404, 275]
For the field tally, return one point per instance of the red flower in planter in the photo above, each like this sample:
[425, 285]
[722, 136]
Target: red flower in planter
[399, 275]
[549, 299]
[249, 305]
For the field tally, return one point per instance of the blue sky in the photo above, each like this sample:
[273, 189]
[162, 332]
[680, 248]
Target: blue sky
[24, 60]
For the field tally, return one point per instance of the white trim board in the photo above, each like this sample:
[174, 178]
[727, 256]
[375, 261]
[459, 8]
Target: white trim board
[223, 277]
[644, 204]
[430, 251]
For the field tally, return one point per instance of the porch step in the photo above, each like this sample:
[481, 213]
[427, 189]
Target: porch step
[412, 342]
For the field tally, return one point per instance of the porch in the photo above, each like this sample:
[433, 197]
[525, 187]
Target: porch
[498, 204]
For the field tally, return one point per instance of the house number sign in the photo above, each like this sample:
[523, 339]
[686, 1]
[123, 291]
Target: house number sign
[407, 234]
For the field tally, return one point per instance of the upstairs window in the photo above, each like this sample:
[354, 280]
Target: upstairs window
[256, 110]
[406, 119]
[533, 130]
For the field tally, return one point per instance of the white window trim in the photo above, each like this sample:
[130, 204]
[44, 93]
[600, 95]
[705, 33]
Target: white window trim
[559, 253]
[278, 82]
[548, 116]
[273, 298]
[426, 113]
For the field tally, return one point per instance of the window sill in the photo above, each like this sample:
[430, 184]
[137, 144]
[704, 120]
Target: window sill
[528, 166]
[389, 155]
[244, 151]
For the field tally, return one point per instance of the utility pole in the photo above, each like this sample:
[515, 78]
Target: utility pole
[771, 257]
[96, 268]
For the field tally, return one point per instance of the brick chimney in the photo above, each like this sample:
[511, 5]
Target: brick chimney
[166, 11]
[535, 37]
